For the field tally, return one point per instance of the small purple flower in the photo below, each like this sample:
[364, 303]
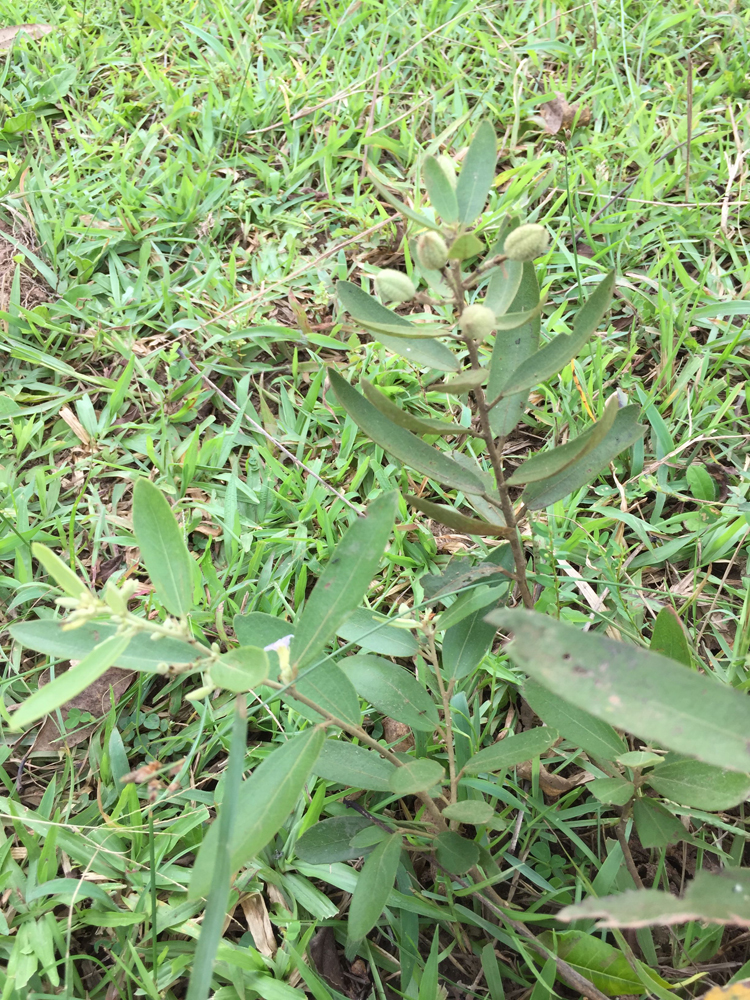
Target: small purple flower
[280, 644]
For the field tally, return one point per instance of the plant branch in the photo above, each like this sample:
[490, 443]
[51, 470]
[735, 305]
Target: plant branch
[622, 840]
[445, 694]
[496, 458]
[363, 737]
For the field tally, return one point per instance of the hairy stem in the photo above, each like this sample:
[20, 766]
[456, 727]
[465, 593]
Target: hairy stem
[445, 696]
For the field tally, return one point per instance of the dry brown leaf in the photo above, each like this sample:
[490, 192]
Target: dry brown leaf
[398, 731]
[75, 425]
[325, 957]
[558, 114]
[553, 785]
[94, 700]
[91, 222]
[259, 924]
[8, 35]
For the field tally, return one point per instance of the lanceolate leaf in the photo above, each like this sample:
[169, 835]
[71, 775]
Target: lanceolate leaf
[354, 766]
[601, 963]
[702, 786]
[345, 580]
[511, 751]
[264, 802]
[329, 841]
[163, 549]
[511, 321]
[503, 286]
[465, 246]
[373, 887]
[399, 442]
[140, 653]
[327, 686]
[632, 688]
[66, 686]
[392, 690]
[459, 522]
[549, 463]
[593, 735]
[670, 638]
[416, 777]
[463, 382]
[558, 352]
[417, 217]
[420, 425]
[477, 174]
[624, 432]
[366, 309]
[455, 853]
[440, 190]
[511, 348]
[655, 825]
[712, 897]
[60, 572]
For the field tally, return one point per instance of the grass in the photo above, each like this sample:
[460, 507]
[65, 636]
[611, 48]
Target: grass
[182, 187]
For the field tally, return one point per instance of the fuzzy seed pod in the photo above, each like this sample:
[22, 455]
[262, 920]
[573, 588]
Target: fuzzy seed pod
[526, 242]
[477, 322]
[449, 168]
[432, 251]
[394, 286]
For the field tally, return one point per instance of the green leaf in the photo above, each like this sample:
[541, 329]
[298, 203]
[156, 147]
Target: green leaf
[418, 776]
[440, 190]
[712, 897]
[463, 382]
[472, 812]
[549, 463]
[106, 918]
[65, 686]
[418, 217]
[455, 853]
[400, 443]
[502, 287]
[327, 842]
[163, 549]
[375, 633]
[373, 887]
[553, 357]
[392, 690]
[655, 825]
[702, 786]
[593, 735]
[351, 765]
[141, 652]
[240, 669]
[511, 349]
[700, 482]
[477, 174]
[454, 519]
[624, 432]
[327, 686]
[612, 791]
[345, 580]
[420, 425]
[465, 246]
[259, 629]
[670, 638]
[367, 310]
[60, 572]
[263, 804]
[426, 353]
[651, 696]
[601, 963]
[511, 751]
[511, 321]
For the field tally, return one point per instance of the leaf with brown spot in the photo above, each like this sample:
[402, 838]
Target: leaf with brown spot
[8, 35]
[553, 785]
[94, 700]
[558, 114]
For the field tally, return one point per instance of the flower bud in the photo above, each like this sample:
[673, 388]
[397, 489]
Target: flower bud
[477, 322]
[526, 242]
[432, 251]
[449, 168]
[394, 286]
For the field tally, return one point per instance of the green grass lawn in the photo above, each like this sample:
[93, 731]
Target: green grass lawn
[182, 185]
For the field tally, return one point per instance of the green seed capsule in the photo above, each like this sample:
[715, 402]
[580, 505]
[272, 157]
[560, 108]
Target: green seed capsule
[394, 286]
[432, 251]
[527, 242]
[477, 322]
